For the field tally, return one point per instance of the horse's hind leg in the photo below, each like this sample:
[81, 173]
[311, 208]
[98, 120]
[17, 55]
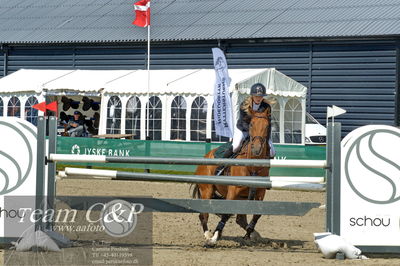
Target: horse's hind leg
[260, 193]
[250, 227]
[241, 220]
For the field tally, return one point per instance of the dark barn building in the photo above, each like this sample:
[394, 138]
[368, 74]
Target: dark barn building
[345, 52]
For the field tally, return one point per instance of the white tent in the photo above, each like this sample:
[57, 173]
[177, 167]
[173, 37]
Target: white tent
[288, 95]
[167, 84]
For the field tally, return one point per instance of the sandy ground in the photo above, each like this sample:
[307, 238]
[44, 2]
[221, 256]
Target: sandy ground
[178, 240]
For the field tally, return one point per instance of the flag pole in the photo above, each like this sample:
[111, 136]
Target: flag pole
[148, 80]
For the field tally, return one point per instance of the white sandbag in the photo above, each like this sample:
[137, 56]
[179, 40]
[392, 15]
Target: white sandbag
[330, 245]
[32, 240]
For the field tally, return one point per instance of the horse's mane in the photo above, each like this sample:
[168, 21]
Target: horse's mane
[247, 104]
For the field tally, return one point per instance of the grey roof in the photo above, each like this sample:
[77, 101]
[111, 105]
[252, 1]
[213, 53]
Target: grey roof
[70, 21]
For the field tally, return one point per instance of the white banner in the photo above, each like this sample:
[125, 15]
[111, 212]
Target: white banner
[370, 186]
[222, 101]
[18, 173]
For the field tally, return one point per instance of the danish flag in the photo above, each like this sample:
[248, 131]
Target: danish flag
[142, 10]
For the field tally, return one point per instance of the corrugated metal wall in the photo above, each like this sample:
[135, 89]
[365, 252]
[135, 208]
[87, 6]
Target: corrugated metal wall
[109, 57]
[2, 62]
[361, 78]
[358, 76]
[291, 59]
[39, 58]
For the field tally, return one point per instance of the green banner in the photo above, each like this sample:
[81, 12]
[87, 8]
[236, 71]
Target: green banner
[177, 149]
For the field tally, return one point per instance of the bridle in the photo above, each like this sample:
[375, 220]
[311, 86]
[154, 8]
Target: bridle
[263, 142]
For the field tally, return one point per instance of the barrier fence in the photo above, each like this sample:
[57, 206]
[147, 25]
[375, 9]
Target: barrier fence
[252, 207]
[345, 203]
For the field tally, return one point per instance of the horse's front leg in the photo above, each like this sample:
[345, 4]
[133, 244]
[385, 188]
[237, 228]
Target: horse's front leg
[206, 192]
[218, 230]
[250, 228]
[231, 195]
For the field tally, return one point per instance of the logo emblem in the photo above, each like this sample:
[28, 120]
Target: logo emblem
[119, 217]
[220, 64]
[371, 163]
[17, 153]
[75, 149]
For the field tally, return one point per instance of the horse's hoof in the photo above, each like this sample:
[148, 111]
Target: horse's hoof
[208, 235]
[255, 236]
[213, 240]
[211, 243]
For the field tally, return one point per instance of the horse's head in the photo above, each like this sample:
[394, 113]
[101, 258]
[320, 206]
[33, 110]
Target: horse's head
[259, 132]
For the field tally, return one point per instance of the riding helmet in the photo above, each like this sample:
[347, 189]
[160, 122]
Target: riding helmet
[258, 89]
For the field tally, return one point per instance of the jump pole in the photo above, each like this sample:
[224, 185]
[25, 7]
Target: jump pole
[82, 173]
[284, 180]
[188, 161]
[199, 179]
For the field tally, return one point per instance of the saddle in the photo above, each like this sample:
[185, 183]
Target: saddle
[222, 150]
[225, 151]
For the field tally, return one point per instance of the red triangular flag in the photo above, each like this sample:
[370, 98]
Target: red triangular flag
[142, 10]
[40, 106]
[52, 106]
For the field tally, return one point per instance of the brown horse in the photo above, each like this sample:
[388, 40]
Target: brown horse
[257, 148]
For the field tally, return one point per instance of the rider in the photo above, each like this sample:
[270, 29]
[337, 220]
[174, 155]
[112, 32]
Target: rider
[257, 102]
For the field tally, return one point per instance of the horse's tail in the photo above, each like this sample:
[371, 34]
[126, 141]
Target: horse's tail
[195, 191]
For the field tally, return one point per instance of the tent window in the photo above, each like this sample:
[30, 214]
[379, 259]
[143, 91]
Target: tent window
[178, 118]
[1, 106]
[155, 115]
[114, 107]
[293, 121]
[275, 121]
[198, 119]
[133, 117]
[214, 136]
[14, 107]
[31, 114]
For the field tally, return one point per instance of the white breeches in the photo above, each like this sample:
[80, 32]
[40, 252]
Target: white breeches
[238, 136]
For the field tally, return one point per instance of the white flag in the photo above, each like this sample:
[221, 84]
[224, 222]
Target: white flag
[334, 111]
[222, 101]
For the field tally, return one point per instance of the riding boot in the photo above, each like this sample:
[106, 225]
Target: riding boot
[227, 154]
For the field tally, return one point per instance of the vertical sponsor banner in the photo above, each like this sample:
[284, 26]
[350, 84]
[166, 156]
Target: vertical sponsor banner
[370, 187]
[222, 102]
[17, 169]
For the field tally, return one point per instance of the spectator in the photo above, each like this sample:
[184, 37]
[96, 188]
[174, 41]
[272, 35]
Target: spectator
[75, 126]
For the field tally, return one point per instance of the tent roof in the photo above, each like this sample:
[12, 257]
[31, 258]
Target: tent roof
[136, 82]
[187, 81]
[85, 80]
[28, 80]
[201, 82]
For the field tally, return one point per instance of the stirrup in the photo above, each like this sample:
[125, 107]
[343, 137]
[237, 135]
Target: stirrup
[220, 170]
